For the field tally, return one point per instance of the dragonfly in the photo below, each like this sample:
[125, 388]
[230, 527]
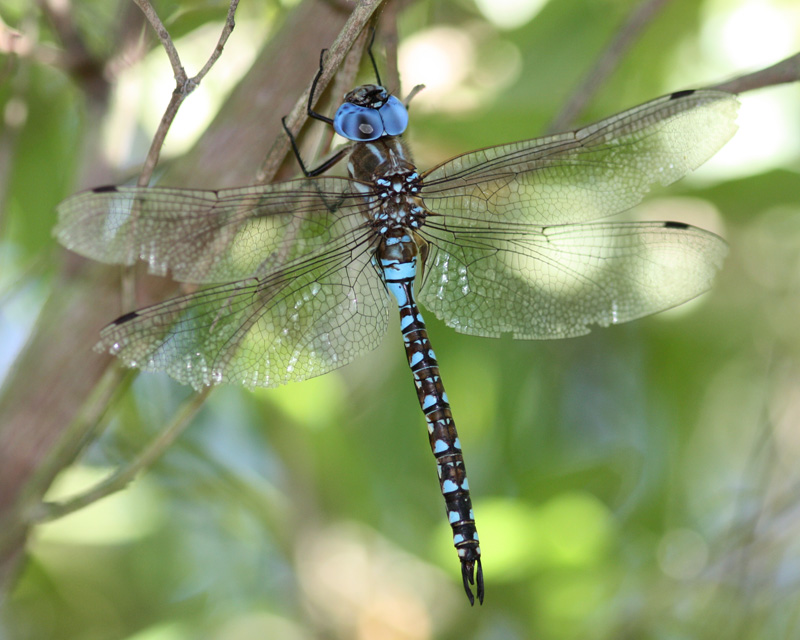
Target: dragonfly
[512, 239]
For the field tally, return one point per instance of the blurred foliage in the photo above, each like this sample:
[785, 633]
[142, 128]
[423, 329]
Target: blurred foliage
[639, 482]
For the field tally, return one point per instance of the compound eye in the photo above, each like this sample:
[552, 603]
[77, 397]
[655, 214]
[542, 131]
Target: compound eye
[359, 124]
[394, 116]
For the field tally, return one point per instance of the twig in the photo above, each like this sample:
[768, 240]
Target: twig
[390, 39]
[334, 57]
[606, 63]
[787, 70]
[120, 479]
[84, 426]
[183, 84]
[166, 41]
[183, 87]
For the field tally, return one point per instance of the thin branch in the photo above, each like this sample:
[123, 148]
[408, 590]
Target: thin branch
[166, 41]
[84, 426]
[183, 87]
[223, 38]
[412, 94]
[334, 57]
[787, 70]
[183, 84]
[644, 13]
[122, 478]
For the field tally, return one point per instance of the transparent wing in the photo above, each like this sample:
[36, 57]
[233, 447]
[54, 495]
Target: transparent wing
[297, 322]
[556, 282]
[585, 174]
[506, 254]
[209, 236]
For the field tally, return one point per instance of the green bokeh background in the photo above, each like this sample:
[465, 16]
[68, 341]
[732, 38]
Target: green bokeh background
[638, 482]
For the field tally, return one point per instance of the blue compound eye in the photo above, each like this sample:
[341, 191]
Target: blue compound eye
[394, 116]
[360, 124]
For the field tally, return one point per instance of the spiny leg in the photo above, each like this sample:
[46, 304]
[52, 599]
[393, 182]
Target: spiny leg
[310, 173]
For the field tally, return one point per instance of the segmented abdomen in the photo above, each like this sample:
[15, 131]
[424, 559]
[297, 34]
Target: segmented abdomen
[399, 277]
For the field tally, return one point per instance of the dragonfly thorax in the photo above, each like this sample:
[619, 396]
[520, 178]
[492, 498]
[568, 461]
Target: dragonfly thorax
[399, 202]
[390, 182]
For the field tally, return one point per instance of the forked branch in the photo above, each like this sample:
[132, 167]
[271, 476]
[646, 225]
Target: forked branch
[184, 85]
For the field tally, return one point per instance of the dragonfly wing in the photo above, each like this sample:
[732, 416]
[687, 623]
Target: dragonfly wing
[303, 320]
[558, 281]
[209, 236]
[585, 174]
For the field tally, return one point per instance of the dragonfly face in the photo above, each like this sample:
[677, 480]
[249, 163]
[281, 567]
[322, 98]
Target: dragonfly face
[301, 273]
[368, 113]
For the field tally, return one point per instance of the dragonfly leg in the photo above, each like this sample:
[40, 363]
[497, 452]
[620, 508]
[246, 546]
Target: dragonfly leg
[321, 168]
[317, 116]
[372, 58]
[311, 113]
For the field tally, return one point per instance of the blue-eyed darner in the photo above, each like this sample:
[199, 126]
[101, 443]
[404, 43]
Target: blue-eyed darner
[499, 240]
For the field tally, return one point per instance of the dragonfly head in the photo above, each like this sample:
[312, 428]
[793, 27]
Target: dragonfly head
[369, 112]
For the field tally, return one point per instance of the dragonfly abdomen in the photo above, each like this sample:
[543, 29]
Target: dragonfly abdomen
[444, 442]
[398, 258]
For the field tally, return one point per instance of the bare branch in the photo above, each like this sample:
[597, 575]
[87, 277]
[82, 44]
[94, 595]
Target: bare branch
[358, 20]
[606, 63]
[787, 70]
[163, 35]
[124, 476]
[223, 38]
[183, 84]
[154, 152]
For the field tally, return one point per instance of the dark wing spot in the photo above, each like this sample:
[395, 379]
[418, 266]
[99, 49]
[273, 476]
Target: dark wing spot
[126, 318]
[681, 94]
[110, 188]
[676, 225]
